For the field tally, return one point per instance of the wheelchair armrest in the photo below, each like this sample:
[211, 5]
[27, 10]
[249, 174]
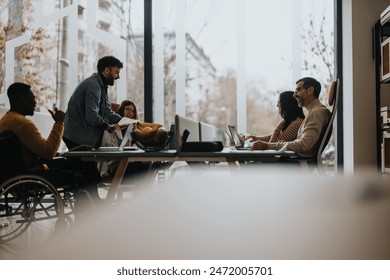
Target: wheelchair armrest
[59, 158]
[56, 162]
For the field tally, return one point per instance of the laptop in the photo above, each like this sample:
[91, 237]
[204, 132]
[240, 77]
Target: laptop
[238, 141]
[207, 132]
[122, 146]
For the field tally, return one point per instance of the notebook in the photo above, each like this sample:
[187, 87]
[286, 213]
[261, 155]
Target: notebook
[238, 141]
[122, 146]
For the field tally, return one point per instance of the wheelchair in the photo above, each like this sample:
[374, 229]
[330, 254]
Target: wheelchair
[33, 211]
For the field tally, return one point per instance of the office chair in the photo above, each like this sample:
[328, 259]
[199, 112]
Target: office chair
[316, 160]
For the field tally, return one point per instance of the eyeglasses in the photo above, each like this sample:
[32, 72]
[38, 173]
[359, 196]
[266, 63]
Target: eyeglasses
[130, 110]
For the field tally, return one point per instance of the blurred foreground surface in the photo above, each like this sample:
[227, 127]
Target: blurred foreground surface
[257, 213]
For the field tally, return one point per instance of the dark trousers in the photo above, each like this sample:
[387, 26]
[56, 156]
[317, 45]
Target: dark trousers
[73, 172]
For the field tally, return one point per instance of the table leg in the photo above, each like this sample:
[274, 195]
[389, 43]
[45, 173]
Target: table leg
[117, 179]
[231, 162]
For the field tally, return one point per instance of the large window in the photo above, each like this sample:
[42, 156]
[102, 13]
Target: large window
[225, 61]
[217, 61]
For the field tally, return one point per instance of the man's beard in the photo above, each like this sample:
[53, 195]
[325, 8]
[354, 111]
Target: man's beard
[300, 102]
[110, 81]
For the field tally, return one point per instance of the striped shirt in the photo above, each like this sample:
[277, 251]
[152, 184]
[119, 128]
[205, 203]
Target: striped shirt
[280, 135]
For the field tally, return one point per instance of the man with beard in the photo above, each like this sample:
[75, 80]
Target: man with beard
[89, 111]
[306, 93]
[33, 146]
[38, 153]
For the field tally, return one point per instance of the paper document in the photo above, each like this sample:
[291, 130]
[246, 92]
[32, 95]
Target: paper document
[126, 121]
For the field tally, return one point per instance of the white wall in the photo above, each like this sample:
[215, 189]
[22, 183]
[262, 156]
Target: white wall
[359, 16]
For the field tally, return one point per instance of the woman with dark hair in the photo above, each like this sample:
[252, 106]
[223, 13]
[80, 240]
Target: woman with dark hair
[107, 169]
[287, 129]
[126, 109]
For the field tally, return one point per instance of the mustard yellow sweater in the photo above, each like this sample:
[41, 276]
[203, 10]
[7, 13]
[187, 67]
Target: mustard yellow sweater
[34, 146]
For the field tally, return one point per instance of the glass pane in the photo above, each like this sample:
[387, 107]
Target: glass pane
[205, 36]
[53, 45]
[240, 54]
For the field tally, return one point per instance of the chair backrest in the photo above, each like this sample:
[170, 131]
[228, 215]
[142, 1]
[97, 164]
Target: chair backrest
[333, 100]
[11, 160]
[115, 107]
[172, 143]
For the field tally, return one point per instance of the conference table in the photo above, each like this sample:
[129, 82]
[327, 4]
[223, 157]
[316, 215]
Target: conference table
[231, 156]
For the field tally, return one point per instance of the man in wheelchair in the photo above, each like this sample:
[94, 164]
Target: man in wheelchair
[38, 154]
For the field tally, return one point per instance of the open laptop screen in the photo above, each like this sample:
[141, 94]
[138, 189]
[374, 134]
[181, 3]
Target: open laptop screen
[237, 140]
[126, 137]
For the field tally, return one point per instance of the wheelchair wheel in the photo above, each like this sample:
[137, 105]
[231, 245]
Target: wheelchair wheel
[31, 213]
[64, 225]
